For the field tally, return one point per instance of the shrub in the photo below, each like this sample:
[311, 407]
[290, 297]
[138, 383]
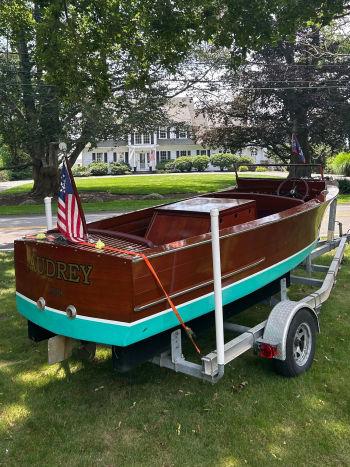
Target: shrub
[21, 174]
[162, 165]
[261, 169]
[170, 166]
[344, 186]
[119, 168]
[329, 165]
[246, 160]
[98, 168]
[183, 163]
[243, 168]
[223, 161]
[341, 164]
[4, 176]
[80, 171]
[200, 163]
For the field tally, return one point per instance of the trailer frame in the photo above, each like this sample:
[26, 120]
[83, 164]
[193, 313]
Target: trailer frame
[268, 338]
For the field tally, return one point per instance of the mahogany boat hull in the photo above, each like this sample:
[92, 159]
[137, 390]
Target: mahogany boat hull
[116, 298]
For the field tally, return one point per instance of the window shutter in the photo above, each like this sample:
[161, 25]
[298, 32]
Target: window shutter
[105, 157]
[198, 152]
[169, 154]
[177, 132]
[114, 157]
[208, 152]
[126, 157]
[188, 153]
[93, 157]
[168, 132]
[152, 138]
[132, 138]
[157, 157]
[177, 154]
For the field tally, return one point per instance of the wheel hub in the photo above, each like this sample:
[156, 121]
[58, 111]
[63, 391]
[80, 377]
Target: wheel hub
[302, 344]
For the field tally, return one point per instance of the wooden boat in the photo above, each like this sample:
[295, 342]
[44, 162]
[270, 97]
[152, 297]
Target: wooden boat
[267, 227]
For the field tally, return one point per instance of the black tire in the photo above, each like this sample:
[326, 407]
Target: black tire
[300, 345]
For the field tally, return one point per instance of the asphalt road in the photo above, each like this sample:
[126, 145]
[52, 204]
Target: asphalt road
[12, 227]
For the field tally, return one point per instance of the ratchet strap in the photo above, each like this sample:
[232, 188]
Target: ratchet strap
[188, 330]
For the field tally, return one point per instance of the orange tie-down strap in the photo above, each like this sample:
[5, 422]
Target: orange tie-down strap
[188, 330]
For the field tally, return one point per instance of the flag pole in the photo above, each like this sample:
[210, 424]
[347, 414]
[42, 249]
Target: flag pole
[77, 197]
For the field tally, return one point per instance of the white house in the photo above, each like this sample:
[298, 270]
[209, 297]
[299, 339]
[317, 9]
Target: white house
[144, 151]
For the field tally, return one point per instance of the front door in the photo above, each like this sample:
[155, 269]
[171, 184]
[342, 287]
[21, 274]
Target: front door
[142, 161]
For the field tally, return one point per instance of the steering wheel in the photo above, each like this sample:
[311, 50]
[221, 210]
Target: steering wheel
[294, 193]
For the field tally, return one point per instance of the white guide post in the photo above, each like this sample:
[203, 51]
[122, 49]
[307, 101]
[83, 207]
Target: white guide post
[219, 319]
[48, 212]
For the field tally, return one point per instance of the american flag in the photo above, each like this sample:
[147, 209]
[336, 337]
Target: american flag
[296, 149]
[70, 216]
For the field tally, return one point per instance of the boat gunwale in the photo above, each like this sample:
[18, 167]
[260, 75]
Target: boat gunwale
[247, 226]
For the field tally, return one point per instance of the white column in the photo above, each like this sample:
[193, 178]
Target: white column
[48, 212]
[219, 319]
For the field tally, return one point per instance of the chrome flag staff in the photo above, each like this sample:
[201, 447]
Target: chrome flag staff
[296, 149]
[70, 216]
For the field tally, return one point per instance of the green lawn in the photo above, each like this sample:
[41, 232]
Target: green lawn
[135, 185]
[87, 415]
[140, 185]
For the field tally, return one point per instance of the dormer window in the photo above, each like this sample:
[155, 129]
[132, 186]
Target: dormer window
[182, 134]
[142, 139]
[162, 133]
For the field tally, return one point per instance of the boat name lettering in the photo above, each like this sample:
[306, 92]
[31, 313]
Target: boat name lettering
[69, 272]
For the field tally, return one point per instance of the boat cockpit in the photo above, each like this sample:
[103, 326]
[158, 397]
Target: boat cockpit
[251, 199]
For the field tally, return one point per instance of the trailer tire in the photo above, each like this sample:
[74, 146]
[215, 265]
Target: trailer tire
[300, 345]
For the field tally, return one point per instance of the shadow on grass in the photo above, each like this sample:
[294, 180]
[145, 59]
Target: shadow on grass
[89, 414]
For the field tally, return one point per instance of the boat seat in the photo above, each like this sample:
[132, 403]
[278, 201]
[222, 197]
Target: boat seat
[266, 204]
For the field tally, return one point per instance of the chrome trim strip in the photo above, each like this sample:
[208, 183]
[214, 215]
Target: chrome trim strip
[199, 286]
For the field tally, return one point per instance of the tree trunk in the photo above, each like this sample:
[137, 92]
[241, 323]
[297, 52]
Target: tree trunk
[45, 173]
[46, 181]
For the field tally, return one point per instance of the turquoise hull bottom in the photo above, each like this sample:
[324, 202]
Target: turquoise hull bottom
[123, 334]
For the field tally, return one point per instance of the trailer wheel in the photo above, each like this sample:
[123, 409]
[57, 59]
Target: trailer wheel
[300, 345]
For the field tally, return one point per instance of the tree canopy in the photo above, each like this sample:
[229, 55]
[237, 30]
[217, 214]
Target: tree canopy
[299, 87]
[80, 70]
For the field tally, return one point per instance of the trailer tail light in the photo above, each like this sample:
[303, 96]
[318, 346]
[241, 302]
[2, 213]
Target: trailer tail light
[267, 350]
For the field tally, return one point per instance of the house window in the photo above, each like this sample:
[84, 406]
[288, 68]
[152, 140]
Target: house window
[253, 152]
[162, 133]
[146, 139]
[182, 134]
[99, 157]
[138, 138]
[183, 153]
[203, 152]
[163, 156]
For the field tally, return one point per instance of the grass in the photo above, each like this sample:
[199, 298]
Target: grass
[342, 199]
[88, 415]
[140, 185]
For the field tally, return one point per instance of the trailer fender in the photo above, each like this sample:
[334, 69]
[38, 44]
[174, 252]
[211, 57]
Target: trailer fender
[278, 322]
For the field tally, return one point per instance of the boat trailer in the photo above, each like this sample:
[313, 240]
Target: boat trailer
[287, 336]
